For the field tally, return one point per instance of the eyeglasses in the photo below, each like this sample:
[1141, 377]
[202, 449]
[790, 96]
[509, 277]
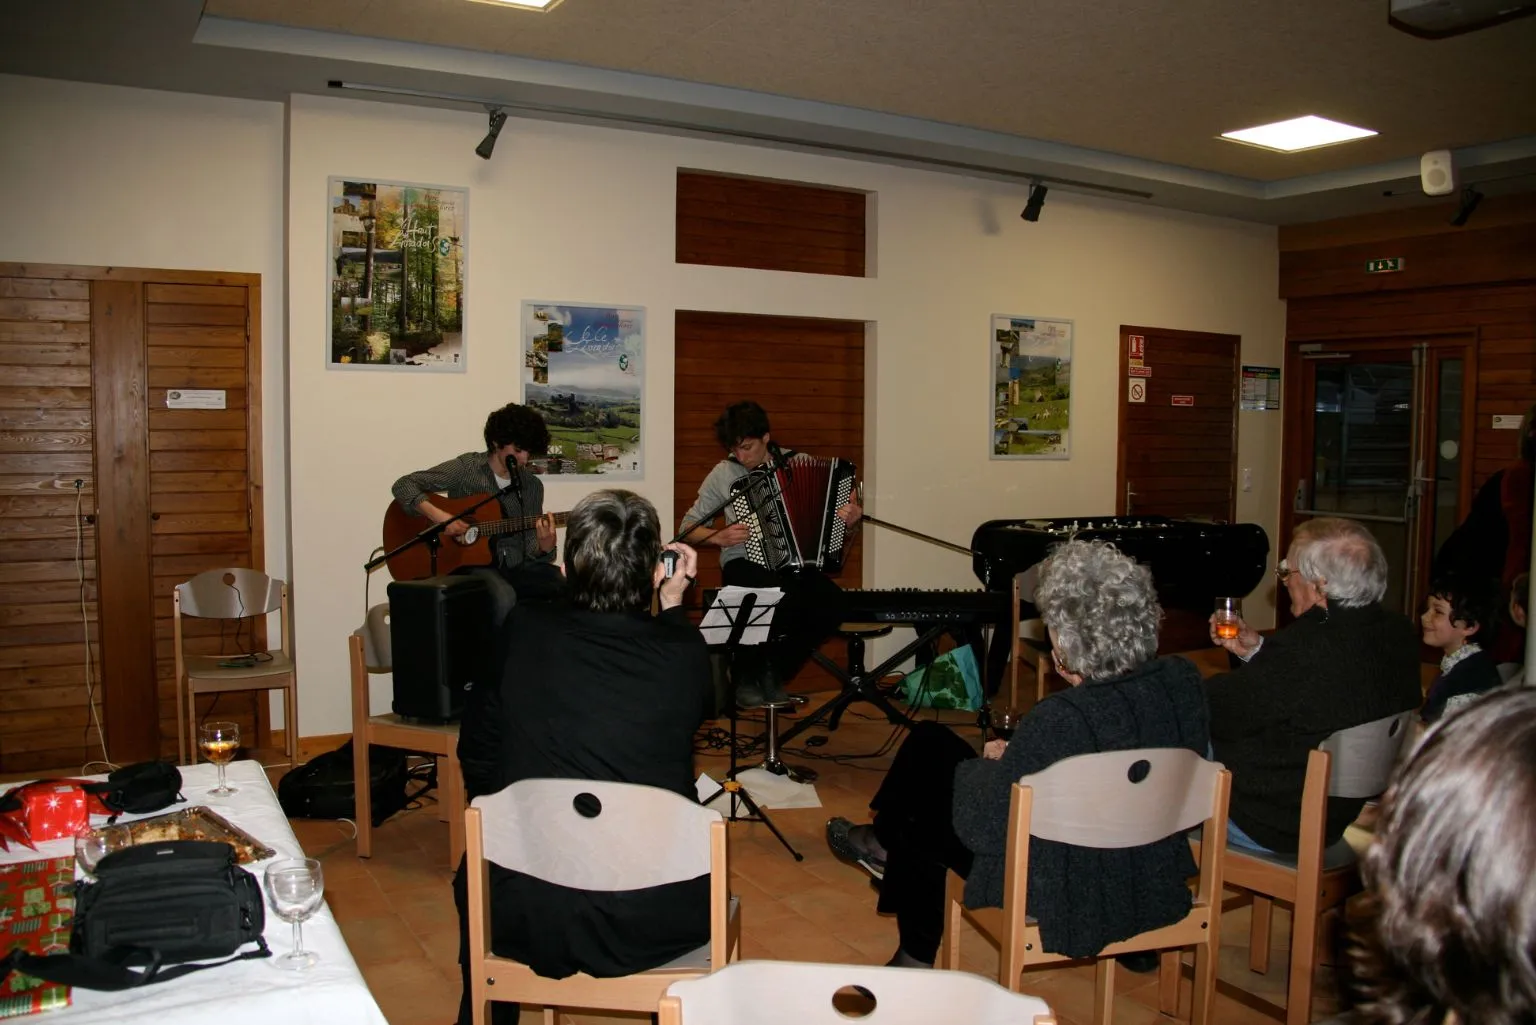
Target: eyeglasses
[1061, 667]
[1283, 572]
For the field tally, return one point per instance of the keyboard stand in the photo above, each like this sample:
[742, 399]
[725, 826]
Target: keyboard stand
[862, 686]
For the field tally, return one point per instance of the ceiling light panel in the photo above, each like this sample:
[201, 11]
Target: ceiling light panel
[1300, 133]
[525, 5]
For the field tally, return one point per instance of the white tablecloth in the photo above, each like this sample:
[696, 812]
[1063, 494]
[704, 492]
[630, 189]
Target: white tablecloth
[254, 992]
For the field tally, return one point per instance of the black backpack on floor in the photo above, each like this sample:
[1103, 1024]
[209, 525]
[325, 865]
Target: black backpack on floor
[323, 787]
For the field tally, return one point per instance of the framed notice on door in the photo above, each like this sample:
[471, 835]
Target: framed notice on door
[1031, 387]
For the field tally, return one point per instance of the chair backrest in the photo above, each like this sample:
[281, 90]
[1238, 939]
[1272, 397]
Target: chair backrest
[378, 656]
[772, 992]
[230, 594]
[1122, 798]
[1365, 755]
[596, 835]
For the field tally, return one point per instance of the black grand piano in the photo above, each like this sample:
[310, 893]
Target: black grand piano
[1192, 562]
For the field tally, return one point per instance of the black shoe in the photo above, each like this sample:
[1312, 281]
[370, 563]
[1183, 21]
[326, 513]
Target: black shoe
[856, 844]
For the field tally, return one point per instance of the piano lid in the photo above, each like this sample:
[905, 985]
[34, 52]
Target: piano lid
[1192, 561]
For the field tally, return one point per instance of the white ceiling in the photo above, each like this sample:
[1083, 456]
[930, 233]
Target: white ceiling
[1124, 94]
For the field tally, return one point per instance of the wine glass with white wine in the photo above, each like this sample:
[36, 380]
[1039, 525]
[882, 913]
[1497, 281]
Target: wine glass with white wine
[295, 889]
[218, 741]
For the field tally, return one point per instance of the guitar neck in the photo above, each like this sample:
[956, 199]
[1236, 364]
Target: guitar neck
[517, 524]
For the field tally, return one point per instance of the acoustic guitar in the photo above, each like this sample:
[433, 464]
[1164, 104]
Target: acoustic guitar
[472, 548]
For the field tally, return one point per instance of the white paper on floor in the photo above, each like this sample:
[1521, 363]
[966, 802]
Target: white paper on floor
[768, 789]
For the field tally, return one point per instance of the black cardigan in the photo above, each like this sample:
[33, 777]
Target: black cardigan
[1085, 898]
[586, 695]
[1330, 669]
[1477, 673]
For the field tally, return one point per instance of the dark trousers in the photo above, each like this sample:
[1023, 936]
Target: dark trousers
[806, 615]
[914, 823]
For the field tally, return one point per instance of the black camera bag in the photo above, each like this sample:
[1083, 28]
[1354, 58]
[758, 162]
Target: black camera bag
[154, 905]
[138, 788]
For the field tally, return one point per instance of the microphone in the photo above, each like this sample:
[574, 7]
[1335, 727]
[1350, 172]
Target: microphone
[779, 461]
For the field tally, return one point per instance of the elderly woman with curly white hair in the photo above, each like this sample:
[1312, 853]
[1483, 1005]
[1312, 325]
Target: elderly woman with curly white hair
[941, 807]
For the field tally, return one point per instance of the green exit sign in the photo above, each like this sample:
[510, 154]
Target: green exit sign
[1387, 266]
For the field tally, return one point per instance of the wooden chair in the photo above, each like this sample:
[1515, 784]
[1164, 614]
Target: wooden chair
[774, 992]
[1353, 763]
[369, 653]
[232, 594]
[1031, 645]
[641, 837]
[1090, 801]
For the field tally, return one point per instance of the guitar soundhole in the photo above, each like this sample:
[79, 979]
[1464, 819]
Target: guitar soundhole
[470, 536]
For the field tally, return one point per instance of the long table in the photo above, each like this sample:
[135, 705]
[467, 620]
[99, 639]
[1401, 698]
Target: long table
[245, 992]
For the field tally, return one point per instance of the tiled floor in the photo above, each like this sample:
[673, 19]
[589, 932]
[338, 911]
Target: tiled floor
[397, 913]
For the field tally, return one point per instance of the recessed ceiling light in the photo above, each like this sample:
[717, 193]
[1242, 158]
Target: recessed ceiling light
[1299, 133]
[527, 5]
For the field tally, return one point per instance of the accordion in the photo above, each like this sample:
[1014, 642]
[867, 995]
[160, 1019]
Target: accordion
[791, 513]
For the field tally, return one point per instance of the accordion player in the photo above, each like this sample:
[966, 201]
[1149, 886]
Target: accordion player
[790, 510]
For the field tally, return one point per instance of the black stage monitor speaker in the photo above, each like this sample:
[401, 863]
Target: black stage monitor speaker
[441, 639]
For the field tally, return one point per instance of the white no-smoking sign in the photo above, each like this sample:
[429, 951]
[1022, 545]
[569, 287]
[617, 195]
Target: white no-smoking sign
[1137, 392]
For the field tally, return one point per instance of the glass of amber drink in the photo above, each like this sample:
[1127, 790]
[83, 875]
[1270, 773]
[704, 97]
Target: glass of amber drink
[1229, 613]
[218, 741]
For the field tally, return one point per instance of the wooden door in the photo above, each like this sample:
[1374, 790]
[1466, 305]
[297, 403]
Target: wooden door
[809, 376]
[50, 655]
[108, 498]
[1178, 443]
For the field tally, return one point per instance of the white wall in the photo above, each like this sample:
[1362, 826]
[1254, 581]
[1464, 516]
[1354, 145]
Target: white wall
[102, 175]
[575, 213]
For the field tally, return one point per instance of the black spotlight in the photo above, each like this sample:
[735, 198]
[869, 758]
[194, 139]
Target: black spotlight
[1035, 201]
[488, 144]
[1470, 197]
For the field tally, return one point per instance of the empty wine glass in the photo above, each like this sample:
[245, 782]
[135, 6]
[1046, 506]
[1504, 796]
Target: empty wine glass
[91, 845]
[295, 888]
[218, 741]
[1228, 615]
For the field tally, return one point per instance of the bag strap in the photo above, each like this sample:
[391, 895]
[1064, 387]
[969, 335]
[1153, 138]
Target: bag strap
[115, 971]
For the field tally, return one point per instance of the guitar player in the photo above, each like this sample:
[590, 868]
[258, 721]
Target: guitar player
[523, 566]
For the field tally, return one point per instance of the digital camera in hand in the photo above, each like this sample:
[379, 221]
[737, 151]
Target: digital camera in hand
[669, 561]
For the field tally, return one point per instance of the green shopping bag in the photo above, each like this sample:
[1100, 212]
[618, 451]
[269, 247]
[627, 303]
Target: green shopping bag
[950, 681]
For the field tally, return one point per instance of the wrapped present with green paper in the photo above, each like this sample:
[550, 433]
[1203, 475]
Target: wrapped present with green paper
[952, 680]
[37, 907]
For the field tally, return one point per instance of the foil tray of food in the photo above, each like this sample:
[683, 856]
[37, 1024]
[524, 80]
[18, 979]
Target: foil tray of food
[199, 823]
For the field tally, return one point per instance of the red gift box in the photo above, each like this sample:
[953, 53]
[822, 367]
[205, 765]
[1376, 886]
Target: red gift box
[53, 810]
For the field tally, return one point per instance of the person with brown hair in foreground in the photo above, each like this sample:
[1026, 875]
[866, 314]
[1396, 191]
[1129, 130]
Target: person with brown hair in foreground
[1448, 932]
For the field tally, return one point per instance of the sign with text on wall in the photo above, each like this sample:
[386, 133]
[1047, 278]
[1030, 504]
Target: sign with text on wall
[195, 398]
[1137, 350]
[1260, 388]
[1183, 400]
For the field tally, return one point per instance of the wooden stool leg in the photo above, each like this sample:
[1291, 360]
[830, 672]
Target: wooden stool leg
[362, 789]
[1259, 933]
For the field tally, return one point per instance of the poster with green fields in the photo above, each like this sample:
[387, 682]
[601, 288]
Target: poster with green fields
[1031, 387]
[584, 371]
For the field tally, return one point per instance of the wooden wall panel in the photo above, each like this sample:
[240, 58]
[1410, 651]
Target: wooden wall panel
[200, 484]
[813, 393]
[48, 597]
[747, 222]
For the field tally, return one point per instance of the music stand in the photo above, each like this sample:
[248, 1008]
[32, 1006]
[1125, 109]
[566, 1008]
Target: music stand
[734, 611]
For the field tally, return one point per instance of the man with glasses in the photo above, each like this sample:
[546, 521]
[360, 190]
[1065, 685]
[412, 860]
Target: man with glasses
[1345, 660]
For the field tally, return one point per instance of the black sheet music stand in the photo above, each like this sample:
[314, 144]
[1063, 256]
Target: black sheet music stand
[741, 616]
[862, 686]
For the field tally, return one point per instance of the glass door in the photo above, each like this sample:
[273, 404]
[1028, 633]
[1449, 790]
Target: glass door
[1381, 442]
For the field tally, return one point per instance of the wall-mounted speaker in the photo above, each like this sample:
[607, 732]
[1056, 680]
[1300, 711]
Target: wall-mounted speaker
[1437, 173]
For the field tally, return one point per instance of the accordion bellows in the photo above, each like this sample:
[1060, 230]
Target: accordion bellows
[791, 513]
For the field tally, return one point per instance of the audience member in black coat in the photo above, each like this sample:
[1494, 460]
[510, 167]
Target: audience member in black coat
[940, 807]
[1344, 661]
[594, 687]
[1458, 610]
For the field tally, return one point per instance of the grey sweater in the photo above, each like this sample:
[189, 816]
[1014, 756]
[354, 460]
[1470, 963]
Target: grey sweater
[1082, 897]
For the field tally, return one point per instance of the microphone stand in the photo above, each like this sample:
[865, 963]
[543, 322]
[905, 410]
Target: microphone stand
[432, 534]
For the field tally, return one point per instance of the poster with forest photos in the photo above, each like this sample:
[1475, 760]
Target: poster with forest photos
[397, 270]
[1031, 387]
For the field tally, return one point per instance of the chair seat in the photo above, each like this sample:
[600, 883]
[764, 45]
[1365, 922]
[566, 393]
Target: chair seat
[863, 629]
[1335, 857]
[206, 667]
[697, 960]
